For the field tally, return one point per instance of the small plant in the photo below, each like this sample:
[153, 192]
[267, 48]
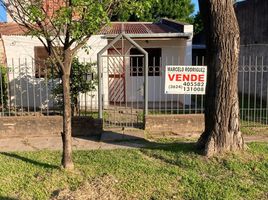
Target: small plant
[82, 80]
[3, 87]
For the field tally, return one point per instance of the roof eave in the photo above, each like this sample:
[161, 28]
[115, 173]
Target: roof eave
[153, 35]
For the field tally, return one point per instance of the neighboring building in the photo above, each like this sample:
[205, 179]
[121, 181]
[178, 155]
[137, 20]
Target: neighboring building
[199, 49]
[167, 42]
[252, 16]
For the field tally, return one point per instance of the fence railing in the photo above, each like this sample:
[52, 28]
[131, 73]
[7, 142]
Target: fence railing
[30, 88]
[33, 88]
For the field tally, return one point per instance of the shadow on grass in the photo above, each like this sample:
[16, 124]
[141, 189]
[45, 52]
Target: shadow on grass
[174, 153]
[113, 138]
[27, 160]
[175, 147]
[7, 198]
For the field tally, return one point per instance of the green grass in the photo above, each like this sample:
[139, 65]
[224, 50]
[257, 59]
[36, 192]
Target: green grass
[166, 171]
[254, 128]
[248, 130]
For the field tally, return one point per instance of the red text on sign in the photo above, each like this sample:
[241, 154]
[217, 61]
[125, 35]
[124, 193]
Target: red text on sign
[186, 77]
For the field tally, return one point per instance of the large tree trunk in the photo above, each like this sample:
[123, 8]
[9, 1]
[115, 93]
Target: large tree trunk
[67, 125]
[222, 126]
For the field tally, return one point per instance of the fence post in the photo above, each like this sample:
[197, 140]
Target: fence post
[100, 85]
[145, 85]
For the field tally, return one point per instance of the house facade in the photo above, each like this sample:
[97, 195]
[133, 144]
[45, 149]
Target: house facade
[167, 43]
[252, 18]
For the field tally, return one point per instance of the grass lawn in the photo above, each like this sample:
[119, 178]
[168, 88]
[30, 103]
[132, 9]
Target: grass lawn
[167, 171]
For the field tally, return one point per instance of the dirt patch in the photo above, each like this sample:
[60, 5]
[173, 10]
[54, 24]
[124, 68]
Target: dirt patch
[256, 138]
[100, 188]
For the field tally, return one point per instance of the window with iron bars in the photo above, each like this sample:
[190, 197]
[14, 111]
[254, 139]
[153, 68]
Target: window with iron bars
[137, 63]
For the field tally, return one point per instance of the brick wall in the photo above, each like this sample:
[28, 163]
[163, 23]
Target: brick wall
[46, 126]
[175, 124]
[50, 6]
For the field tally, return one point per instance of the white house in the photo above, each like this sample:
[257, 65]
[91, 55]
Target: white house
[167, 42]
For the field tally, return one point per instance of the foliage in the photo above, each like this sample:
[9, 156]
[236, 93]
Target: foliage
[153, 10]
[82, 80]
[3, 86]
[198, 23]
[163, 171]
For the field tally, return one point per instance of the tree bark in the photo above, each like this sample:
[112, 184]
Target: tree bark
[222, 121]
[67, 125]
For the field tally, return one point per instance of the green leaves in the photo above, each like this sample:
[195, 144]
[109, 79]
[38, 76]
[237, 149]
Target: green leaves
[35, 13]
[153, 10]
[3, 86]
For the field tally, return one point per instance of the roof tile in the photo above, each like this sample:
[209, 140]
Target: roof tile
[12, 29]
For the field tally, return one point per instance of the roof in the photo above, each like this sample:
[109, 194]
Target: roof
[12, 29]
[137, 28]
[164, 28]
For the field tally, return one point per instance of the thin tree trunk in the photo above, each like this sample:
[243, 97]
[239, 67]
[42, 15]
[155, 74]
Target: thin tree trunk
[222, 126]
[67, 126]
[75, 106]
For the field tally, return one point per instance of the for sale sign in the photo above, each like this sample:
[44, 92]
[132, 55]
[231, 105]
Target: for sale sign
[185, 79]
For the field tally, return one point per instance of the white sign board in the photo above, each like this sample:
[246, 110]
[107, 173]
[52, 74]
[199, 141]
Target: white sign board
[185, 79]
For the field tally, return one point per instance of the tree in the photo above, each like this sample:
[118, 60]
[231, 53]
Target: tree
[63, 27]
[198, 23]
[222, 128]
[153, 10]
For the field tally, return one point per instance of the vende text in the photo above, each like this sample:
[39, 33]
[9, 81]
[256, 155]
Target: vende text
[186, 77]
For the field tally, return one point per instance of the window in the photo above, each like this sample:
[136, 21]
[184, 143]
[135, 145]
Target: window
[43, 66]
[137, 63]
[41, 57]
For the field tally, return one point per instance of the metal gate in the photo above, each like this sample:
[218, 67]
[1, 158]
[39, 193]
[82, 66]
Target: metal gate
[116, 77]
[123, 83]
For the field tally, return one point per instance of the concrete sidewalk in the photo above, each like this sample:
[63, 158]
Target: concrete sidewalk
[108, 140]
[55, 143]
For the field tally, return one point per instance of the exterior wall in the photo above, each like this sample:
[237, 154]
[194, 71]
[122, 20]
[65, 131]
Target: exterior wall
[20, 57]
[161, 125]
[47, 126]
[252, 17]
[253, 21]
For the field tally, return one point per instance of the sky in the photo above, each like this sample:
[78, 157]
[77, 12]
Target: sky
[3, 14]
[195, 2]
